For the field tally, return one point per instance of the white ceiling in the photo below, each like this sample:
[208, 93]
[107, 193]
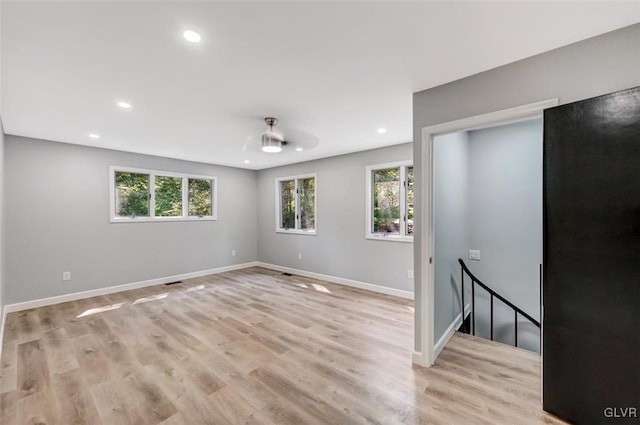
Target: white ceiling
[332, 72]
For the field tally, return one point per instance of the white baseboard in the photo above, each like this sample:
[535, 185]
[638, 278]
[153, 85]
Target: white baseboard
[341, 281]
[10, 308]
[444, 339]
[3, 319]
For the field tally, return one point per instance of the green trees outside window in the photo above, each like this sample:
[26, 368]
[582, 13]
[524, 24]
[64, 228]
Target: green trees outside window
[409, 201]
[132, 194]
[288, 204]
[200, 194]
[391, 201]
[307, 203]
[168, 196]
[297, 199]
[147, 195]
[386, 201]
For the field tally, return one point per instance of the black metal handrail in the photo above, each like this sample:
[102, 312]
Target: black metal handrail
[517, 310]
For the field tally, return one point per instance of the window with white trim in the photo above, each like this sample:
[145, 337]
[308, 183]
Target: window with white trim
[150, 195]
[296, 204]
[390, 201]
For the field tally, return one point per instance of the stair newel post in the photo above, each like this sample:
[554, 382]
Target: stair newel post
[516, 325]
[491, 317]
[540, 312]
[473, 306]
[464, 322]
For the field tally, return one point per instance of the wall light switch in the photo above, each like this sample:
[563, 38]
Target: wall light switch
[474, 254]
[66, 275]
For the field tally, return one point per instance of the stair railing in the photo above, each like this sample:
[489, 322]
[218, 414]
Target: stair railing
[474, 280]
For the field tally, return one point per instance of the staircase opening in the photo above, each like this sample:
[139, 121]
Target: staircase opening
[487, 233]
[469, 322]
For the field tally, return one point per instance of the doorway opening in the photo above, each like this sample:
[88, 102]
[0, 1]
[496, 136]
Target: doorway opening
[487, 212]
[434, 330]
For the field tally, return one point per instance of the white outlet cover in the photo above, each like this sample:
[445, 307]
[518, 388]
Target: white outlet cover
[474, 254]
[410, 274]
[233, 252]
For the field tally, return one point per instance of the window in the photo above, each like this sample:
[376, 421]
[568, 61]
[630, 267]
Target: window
[200, 197]
[132, 194]
[390, 201]
[296, 204]
[168, 196]
[147, 195]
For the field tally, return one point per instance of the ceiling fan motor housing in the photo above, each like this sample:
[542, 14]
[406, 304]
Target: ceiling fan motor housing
[271, 141]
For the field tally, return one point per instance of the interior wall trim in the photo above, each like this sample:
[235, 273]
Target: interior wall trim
[41, 302]
[341, 281]
[444, 339]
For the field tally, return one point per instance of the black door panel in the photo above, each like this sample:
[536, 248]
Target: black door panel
[591, 357]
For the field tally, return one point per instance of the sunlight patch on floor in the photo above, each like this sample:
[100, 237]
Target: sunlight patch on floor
[320, 288]
[195, 288]
[151, 298]
[96, 310]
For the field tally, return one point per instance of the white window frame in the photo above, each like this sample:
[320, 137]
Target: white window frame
[152, 200]
[297, 230]
[403, 236]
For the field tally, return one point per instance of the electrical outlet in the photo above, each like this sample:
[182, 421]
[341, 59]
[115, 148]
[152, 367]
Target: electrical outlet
[233, 252]
[474, 254]
[299, 256]
[66, 275]
[410, 274]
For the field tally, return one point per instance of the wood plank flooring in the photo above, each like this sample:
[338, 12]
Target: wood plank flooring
[252, 347]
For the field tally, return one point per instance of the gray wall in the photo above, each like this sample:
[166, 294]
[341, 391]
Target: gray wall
[585, 69]
[451, 226]
[2, 250]
[2, 290]
[340, 248]
[57, 210]
[505, 223]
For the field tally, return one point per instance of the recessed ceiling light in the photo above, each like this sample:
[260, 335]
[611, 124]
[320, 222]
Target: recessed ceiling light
[124, 105]
[382, 130]
[192, 36]
[94, 135]
[246, 161]
[298, 149]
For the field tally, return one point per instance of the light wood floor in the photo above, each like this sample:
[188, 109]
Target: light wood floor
[252, 347]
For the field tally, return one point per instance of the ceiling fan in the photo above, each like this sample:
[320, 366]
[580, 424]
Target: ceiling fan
[272, 141]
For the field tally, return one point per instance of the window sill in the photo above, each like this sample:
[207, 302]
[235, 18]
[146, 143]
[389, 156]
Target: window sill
[159, 219]
[405, 239]
[298, 232]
